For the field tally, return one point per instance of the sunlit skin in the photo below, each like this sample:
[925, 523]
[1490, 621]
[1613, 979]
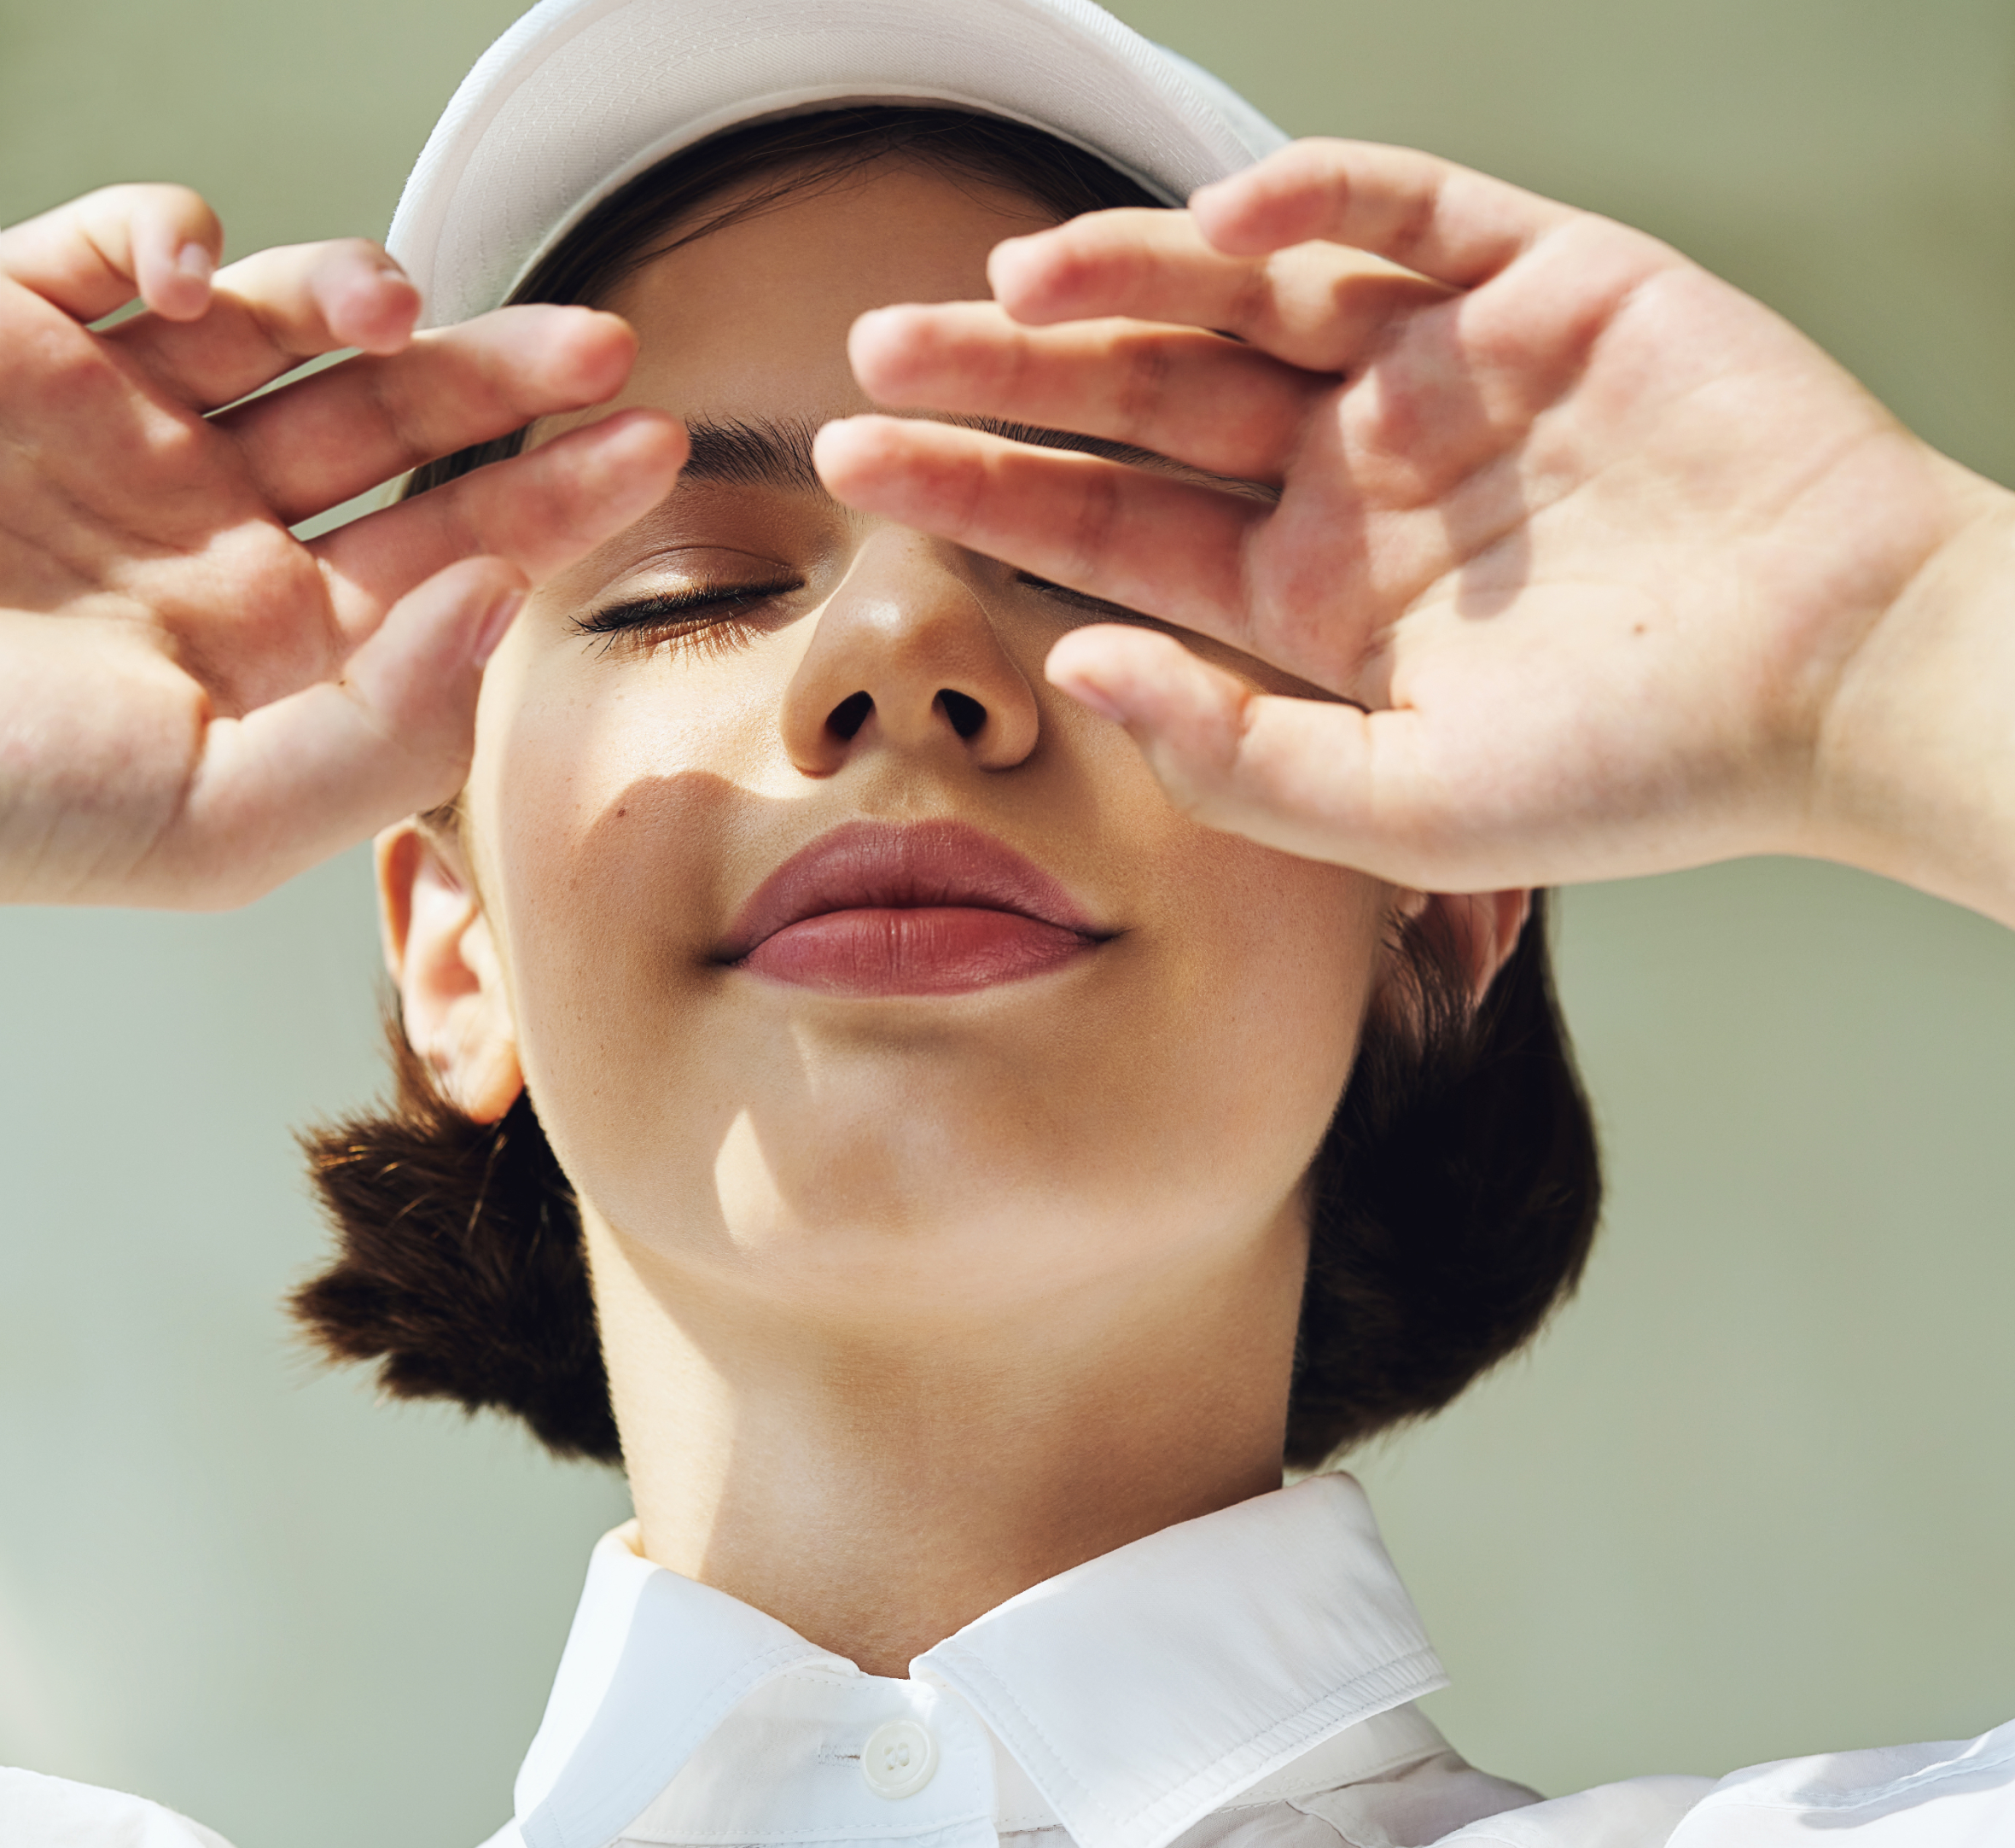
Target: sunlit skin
[195, 705]
[908, 1302]
[1649, 578]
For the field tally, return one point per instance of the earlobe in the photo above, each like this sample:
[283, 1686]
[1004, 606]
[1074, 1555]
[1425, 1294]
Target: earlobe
[1482, 928]
[439, 950]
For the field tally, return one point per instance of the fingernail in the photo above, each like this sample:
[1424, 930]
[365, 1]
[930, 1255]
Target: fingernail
[503, 613]
[194, 260]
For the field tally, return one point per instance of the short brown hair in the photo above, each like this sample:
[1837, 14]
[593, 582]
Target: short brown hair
[1451, 1204]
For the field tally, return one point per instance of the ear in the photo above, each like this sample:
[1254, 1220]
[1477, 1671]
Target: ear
[1483, 928]
[439, 950]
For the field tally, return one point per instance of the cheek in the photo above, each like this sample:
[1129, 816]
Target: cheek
[605, 816]
[1266, 982]
[1180, 1084]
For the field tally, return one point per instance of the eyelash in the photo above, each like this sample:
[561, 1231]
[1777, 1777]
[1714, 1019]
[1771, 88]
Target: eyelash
[705, 620]
[1092, 606]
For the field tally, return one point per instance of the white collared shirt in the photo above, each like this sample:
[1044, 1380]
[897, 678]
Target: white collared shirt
[1242, 1681]
[1240, 1666]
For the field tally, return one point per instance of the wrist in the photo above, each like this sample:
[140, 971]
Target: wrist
[1914, 765]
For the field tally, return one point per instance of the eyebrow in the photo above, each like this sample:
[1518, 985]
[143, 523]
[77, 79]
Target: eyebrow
[776, 453]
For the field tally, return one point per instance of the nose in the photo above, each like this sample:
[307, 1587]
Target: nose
[905, 655]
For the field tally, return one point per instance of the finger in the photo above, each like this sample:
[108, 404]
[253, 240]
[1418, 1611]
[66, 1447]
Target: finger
[96, 254]
[343, 430]
[1210, 402]
[295, 781]
[269, 313]
[1317, 306]
[1153, 543]
[1301, 775]
[1448, 222]
[540, 513]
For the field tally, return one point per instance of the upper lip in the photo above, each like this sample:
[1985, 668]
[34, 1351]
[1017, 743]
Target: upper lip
[870, 865]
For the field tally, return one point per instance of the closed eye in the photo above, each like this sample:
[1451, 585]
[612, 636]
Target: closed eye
[1092, 606]
[707, 619]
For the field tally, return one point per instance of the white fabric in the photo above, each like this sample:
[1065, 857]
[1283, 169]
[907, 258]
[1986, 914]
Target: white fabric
[52, 1812]
[1947, 1795]
[1261, 1655]
[1939, 1796]
[581, 95]
[1243, 1680]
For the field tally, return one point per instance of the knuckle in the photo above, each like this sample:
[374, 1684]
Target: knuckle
[1077, 270]
[960, 485]
[1102, 255]
[1417, 210]
[1142, 388]
[387, 412]
[1193, 785]
[1017, 370]
[1097, 517]
[1251, 310]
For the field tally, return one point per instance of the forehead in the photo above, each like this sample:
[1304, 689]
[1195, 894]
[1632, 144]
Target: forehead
[750, 321]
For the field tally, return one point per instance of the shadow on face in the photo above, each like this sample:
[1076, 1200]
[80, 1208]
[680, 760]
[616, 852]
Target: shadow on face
[754, 666]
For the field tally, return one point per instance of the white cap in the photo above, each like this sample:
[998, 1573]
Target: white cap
[580, 96]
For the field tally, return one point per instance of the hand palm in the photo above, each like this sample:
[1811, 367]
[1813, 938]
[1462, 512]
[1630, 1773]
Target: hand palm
[198, 703]
[1587, 530]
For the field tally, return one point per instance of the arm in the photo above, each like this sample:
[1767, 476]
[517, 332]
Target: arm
[193, 704]
[1621, 572]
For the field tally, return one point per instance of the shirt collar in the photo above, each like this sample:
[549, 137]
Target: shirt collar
[1138, 1692]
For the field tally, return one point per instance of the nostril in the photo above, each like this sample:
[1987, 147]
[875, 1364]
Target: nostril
[967, 714]
[849, 715]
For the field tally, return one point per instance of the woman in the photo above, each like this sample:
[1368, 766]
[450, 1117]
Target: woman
[703, 753]
[942, 1116]
[931, 1090]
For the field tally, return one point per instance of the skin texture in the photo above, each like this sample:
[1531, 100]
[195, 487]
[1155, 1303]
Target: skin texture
[1646, 578]
[1633, 575]
[195, 705]
[844, 1247]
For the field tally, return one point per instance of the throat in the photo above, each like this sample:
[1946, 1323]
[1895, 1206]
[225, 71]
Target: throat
[877, 1488]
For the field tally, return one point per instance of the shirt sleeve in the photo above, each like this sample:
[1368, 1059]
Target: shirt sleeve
[1938, 1796]
[1947, 1795]
[51, 1812]
[1641, 1813]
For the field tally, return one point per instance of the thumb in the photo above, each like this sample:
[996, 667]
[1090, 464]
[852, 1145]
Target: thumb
[298, 780]
[1294, 774]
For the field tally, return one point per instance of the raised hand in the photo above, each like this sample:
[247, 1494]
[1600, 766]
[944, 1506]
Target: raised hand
[193, 704]
[1621, 572]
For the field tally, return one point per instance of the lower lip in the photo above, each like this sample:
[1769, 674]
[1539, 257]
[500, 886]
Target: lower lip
[935, 949]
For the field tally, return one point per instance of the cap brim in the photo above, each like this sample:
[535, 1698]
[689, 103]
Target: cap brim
[580, 96]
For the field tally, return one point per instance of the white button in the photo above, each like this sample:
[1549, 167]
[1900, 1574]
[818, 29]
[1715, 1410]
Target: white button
[899, 1758]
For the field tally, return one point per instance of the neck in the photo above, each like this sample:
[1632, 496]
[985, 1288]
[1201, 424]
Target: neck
[877, 1482]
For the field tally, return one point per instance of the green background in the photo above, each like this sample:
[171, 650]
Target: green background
[1750, 1497]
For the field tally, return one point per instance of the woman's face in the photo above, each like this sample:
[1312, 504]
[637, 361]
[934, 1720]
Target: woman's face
[1007, 1021]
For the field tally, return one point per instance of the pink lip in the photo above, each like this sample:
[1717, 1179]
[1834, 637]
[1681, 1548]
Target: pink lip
[933, 908]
